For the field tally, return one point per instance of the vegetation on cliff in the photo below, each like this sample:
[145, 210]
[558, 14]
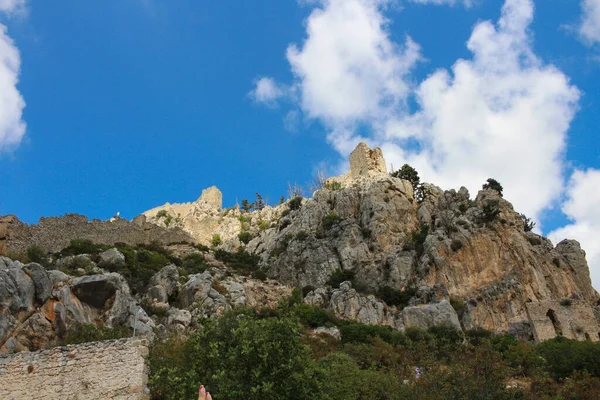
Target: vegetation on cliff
[249, 354]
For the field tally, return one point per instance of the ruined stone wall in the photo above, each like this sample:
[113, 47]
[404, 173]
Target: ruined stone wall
[113, 369]
[574, 319]
[2, 238]
[366, 162]
[55, 233]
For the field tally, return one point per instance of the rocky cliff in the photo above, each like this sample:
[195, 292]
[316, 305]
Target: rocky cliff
[477, 252]
[363, 247]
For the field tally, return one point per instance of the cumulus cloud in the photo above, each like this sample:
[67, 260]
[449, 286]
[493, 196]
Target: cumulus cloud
[590, 25]
[582, 208]
[348, 71]
[467, 3]
[12, 127]
[10, 6]
[503, 113]
[267, 91]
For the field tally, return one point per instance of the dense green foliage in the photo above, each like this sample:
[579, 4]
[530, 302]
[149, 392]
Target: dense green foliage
[418, 239]
[250, 354]
[245, 237]
[330, 220]
[141, 261]
[410, 174]
[493, 184]
[238, 357]
[340, 276]
[85, 333]
[295, 203]
[395, 297]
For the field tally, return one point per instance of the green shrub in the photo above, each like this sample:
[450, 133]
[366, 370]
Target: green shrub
[490, 211]
[85, 333]
[260, 275]
[203, 248]
[395, 297]
[307, 289]
[161, 214]
[295, 203]
[418, 239]
[493, 184]
[566, 302]
[340, 276]
[330, 220]
[263, 225]
[216, 240]
[456, 245]
[240, 261]
[556, 262]
[237, 357]
[243, 219]
[477, 336]
[301, 236]
[446, 334]
[334, 185]
[82, 246]
[311, 316]
[37, 255]
[459, 306]
[194, 264]
[353, 332]
[245, 237]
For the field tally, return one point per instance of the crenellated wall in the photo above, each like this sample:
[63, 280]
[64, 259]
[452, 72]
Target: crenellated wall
[114, 369]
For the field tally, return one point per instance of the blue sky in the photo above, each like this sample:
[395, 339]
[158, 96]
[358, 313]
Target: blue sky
[123, 105]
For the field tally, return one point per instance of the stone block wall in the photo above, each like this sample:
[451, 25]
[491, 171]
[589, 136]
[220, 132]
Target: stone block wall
[573, 320]
[55, 233]
[114, 369]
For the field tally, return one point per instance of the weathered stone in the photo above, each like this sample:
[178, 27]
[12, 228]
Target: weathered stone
[183, 317]
[573, 319]
[430, 315]
[41, 282]
[112, 257]
[96, 289]
[102, 370]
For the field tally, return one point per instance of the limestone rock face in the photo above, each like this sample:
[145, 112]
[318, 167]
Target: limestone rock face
[429, 315]
[39, 306]
[112, 257]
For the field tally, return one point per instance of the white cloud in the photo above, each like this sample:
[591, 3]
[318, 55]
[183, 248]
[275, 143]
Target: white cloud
[10, 6]
[581, 206]
[501, 114]
[590, 25]
[467, 3]
[12, 127]
[504, 113]
[267, 91]
[348, 71]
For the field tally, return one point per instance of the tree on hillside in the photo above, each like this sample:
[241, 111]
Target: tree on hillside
[259, 204]
[410, 174]
[493, 184]
[246, 205]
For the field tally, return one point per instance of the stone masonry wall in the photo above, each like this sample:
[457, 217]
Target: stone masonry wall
[113, 369]
[573, 320]
[55, 233]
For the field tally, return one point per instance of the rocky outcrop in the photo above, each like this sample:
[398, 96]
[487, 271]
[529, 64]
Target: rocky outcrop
[37, 306]
[347, 304]
[476, 252]
[55, 233]
[205, 218]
